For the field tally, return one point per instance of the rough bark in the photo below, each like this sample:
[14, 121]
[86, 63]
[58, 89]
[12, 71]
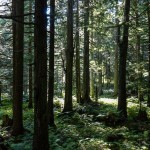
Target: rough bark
[86, 76]
[122, 103]
[100, 90]
[69, 59]
[51, 65]
[92, 83]
[99, 59]
[116, 58]
[18, 40]
[138, 53]
[40, 138]
[30, 105]
[78, 86]
[92, 73]
[108, 71]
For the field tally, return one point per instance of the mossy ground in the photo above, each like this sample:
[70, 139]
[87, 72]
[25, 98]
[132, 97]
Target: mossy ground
[80, 130]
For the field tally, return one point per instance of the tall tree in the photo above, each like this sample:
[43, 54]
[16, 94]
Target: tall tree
[86, 76]
[40, 139]
[100, 90]
[92, 78]
[78, 86]
[148, 15]
[69, 58]
[30, 105]
[51, 64]
[117, 40]
[122, 104]
[18, 40]
[138, 53]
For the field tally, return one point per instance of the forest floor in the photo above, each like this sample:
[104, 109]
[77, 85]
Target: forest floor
[89, 127]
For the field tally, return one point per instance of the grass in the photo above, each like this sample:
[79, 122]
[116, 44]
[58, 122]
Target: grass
[81, 130]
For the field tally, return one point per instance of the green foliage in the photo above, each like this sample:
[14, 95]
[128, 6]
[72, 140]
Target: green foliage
[79, 130]
[57, 104]
[21, 142]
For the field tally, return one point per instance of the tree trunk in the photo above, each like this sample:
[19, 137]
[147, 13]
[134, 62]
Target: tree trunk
[138, 53]
[108, 71]
[30, 105]
[148, 14]
[100, 90]
[122, 104]
[92, 73]
[116, 59]
[100, 76]
[78, 86]
[92, 83]
[40, 138]
[69, 58]
[86, 76]
[51, 65]
[18, 40]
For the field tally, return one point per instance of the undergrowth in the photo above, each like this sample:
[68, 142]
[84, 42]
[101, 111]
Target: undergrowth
[89, 127]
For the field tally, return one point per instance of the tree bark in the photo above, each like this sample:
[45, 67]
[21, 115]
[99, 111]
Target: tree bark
[86, 76]
[69, 59]
[138, 53]
[99, 59]
[51, 65]
[122, 103]
[92, 73]
[108, 71]
[92, 83]
[40, 138]
[116, 59]
[78, 86]
[18, 42]
[100, 90]
[30, 105]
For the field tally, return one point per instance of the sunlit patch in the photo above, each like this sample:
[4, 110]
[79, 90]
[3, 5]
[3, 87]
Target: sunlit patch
[108, 101]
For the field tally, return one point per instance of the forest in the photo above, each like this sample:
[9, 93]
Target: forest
[74, 74]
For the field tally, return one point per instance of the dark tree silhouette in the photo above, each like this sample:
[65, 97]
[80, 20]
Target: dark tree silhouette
[69, 58]
[40, 138]
[30, 105]
[78, 85]
[51, 64]
[122, 104]
[18, 40]
[86, 75]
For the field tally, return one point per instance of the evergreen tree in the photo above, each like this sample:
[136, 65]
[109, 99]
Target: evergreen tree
[51, 64]
[122, 103]
[78, 85]
[40, 139]
[86, 74]
[30, 105]
[18, 42]
[69, 59]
